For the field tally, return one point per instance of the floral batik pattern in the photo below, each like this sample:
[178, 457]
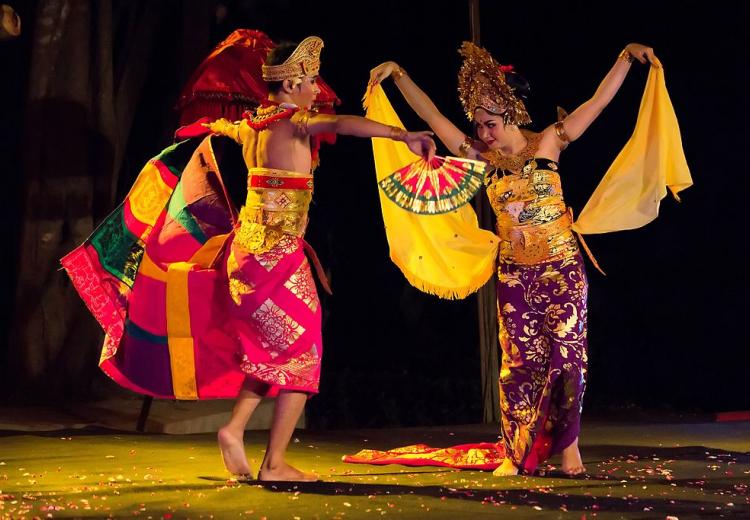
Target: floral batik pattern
[295, 373]
[277, 329]
[302, 285]
[542, 317]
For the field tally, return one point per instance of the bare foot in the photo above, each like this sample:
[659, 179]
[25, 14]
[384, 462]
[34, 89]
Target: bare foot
[285, 473]
[233, 452]
[571, 460]
[506, 469]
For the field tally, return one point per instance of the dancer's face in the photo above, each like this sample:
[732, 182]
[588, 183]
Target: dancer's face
[305, 93]
[489, 127]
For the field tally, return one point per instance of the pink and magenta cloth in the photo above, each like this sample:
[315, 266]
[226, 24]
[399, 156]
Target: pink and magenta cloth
[155, 275]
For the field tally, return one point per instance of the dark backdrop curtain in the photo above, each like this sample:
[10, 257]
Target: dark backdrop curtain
[91, 65]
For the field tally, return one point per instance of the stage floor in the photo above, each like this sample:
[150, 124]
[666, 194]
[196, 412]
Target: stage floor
[636, 470]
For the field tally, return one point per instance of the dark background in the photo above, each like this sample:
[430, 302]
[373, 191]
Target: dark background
[667, 329]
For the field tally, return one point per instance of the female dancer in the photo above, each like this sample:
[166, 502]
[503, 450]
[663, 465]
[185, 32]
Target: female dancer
[542, 286]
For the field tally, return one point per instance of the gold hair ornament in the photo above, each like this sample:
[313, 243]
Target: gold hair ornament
[481, 84]
[304, 61]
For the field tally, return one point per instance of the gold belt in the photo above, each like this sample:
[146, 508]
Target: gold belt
[534, 244]
[277, 204]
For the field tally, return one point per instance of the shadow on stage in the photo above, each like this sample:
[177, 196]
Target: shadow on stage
[561, 497]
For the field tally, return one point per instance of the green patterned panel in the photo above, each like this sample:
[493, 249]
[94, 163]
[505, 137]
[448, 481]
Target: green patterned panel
[119, 250]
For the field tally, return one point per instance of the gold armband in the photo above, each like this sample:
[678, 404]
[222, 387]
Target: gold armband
[303, 118]
[561, 133]
[463, 149]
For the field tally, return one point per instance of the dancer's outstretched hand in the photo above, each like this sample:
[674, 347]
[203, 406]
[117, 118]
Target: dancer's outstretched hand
[382, 71]
[642, 53]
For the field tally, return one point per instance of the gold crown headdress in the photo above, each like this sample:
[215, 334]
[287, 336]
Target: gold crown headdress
[304, 61]
[481, 84]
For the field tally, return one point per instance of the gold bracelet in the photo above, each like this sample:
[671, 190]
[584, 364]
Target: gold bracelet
[397, 134]
[625, 56]
[397, 73]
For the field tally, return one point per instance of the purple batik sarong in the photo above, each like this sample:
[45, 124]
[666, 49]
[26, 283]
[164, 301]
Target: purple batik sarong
[542, 318]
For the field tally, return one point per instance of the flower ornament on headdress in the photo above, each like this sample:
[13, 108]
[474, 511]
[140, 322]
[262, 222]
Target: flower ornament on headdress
[304, 61]
[482, 84]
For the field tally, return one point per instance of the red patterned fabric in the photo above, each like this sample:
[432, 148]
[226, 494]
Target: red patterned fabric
[481, 456]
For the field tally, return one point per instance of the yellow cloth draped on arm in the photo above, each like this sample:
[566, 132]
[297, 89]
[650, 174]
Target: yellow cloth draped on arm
[450, 256]
[629, 194]
[447, 255]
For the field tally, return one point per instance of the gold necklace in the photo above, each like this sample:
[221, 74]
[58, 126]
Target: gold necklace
[514, 162]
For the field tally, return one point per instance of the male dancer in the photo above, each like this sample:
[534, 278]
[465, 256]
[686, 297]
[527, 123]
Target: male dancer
[207, 305]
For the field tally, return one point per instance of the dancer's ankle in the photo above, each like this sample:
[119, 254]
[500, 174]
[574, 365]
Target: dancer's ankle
[273, 462]
[232, 430]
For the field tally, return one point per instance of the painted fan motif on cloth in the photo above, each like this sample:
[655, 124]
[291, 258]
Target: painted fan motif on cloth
[431, 188]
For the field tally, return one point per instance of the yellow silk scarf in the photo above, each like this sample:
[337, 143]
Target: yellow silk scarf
[447, 255]
[628, 196]
[450, 256]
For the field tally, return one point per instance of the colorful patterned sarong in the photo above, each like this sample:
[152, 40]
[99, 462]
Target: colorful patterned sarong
[274, 307]
[143, 269]
[156, 272]
[276, 314]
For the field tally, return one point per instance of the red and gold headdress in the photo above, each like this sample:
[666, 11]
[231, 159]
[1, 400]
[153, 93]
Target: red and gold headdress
[230, 81]
[482, 84]
[304, 61]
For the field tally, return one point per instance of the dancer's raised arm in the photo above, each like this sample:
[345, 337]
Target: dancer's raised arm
[450, 135]
[581, 118]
